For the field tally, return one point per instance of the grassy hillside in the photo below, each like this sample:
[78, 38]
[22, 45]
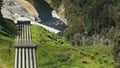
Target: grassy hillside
[7, 37]
[54, 52]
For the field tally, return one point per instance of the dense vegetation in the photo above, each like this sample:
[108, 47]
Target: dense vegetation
[116, 49]
[93, 20]
[54, 52]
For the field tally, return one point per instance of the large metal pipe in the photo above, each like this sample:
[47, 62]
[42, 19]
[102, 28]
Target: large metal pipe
[34, 58]
[27, 58]
[19, 63]
[27, 34]
[24, 33]
[30, 33]
[20, 33]
[31, 60]
[23, 58]
[16, 58]
[25, 30]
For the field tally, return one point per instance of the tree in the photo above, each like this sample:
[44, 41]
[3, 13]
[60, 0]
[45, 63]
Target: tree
[116, 49]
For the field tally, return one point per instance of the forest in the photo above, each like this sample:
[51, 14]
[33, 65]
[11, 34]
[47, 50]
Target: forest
[90, 19]
[93, 22]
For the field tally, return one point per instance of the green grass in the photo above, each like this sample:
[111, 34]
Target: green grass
[7, 55]
[54, 52]
[7, 37]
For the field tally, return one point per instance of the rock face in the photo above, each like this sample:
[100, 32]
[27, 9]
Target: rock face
[29, 7]
[13, 9]
[61, 11]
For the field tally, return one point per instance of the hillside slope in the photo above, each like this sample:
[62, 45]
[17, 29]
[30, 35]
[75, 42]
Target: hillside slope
[54, 52]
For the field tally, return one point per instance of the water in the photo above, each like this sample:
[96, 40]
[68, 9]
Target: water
[45, 14]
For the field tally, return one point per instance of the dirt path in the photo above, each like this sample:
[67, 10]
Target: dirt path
[2, 65]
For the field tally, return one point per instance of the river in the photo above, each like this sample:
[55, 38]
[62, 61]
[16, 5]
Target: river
[45, 14]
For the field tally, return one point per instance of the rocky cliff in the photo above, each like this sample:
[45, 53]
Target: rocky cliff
[29, 7]
[60, 10]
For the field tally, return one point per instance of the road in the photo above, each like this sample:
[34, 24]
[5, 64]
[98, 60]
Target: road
[47, 27]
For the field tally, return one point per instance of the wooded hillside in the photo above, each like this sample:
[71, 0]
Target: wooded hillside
[91, 19]
[93, 22]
